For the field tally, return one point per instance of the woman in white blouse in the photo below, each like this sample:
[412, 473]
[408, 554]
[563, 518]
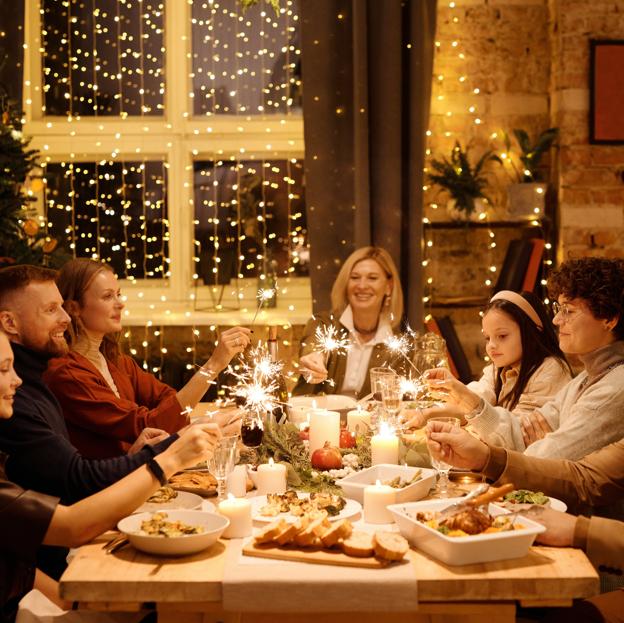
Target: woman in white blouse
[367, 305]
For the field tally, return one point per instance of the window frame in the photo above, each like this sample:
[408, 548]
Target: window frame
[179, 138]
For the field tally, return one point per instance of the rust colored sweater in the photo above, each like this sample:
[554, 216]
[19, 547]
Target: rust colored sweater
[100, 424]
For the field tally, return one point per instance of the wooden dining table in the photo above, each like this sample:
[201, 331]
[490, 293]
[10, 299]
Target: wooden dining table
[190, 589]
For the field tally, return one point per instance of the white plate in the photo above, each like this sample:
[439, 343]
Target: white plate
[213, 524]
[555, 504]
[351, 509]
[183, 500]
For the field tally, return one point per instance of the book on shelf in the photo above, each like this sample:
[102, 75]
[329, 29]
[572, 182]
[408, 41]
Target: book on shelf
[521, 265]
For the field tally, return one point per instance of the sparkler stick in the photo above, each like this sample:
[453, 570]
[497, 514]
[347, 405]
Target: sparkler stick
[262, 296]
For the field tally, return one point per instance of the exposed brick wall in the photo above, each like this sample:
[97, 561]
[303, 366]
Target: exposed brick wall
[590, 178]
[530, 60]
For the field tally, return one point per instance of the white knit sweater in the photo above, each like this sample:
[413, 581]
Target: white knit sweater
[586, 415]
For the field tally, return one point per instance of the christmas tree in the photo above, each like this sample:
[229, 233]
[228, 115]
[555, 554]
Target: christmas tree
[23, 240]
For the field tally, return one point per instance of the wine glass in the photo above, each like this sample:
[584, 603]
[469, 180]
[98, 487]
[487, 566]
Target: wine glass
[444, 488]
[391, 396]
[252, 429]
[221, 463]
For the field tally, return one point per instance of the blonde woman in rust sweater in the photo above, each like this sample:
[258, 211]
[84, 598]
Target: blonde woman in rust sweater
[107, 399]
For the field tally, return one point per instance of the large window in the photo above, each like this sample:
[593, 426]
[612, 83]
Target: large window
[172, 142]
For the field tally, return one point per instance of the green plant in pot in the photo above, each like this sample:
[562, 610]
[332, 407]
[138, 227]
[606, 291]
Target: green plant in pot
[526, 195]
[465, 183]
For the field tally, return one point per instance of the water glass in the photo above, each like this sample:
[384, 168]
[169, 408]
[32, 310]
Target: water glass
[391, 396]
[444, 488]
[222, 461]
[376, 377]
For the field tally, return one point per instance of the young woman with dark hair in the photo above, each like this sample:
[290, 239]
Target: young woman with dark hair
[588, 413]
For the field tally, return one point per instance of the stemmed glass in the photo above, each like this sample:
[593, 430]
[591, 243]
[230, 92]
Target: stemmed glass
[390, 386]
[221, 463]
[444, 488]
[252, 429]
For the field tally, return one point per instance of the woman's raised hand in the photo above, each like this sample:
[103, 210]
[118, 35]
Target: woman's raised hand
[230, 343]
[312, 368]
[440, 380]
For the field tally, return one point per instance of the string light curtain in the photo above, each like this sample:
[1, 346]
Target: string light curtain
[367, 70]
[103, 59]
[249, 213]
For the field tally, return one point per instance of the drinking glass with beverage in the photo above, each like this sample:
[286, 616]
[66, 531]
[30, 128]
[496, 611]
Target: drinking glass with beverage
[252, 429]
[444, 487]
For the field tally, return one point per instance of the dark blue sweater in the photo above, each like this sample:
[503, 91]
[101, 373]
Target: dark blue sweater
[41, 457]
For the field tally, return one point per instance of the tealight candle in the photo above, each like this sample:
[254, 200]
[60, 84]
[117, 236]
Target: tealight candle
[324, 426]
[238, 511]
[385, 446]
[376, 500]
[271, 478]
[358, 420]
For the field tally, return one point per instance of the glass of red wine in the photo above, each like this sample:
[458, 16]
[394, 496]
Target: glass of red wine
[252, 429]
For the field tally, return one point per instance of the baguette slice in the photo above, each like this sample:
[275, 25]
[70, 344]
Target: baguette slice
[305, 537]
[268, 534]
[287, 534]
[359, 544]
[390, 545]
[339, 530]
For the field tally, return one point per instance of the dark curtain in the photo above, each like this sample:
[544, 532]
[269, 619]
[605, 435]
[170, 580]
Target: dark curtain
[11, 53]
[367, 67]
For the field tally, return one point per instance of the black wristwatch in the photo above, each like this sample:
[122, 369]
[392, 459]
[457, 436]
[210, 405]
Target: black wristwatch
[156, 469]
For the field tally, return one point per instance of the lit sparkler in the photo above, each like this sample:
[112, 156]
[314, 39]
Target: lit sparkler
[255, 382]
[264, 294]
[400, 345]
[329, 340]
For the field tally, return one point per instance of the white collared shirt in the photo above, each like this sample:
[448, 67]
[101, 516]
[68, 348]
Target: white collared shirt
[359, 353]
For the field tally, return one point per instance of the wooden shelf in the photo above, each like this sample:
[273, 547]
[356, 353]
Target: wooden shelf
[483, 224]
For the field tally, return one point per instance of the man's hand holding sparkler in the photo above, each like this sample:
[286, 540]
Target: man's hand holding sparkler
[230, 343]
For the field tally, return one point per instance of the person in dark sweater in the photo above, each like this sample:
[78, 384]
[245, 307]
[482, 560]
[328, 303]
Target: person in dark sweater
[40, 455]
[29, 518]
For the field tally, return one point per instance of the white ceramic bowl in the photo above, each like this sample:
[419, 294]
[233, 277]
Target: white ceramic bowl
[213, 525]
[465, 550]
[353, 485]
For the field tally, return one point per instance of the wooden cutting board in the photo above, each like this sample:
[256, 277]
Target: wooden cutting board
[316, 556]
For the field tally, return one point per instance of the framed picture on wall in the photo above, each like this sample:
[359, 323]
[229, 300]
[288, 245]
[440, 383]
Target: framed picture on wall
[606, 103]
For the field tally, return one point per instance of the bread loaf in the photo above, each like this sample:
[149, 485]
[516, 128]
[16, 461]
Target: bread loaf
[268, 534]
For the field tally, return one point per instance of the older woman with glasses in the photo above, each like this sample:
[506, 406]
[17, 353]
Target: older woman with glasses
[588, 413]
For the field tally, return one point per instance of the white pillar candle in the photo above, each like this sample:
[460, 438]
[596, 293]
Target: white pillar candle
[324, 426]
[237, 481]
[376, 499]
[238, 511]
[358, 421]
[298, 414]
[385, 446]
[271, 478]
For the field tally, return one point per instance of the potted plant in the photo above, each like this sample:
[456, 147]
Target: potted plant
[526, 195]
[466, 184]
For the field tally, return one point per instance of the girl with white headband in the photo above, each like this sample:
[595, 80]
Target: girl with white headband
[528, 367]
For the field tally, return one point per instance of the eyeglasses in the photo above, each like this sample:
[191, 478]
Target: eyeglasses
[563, 309]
